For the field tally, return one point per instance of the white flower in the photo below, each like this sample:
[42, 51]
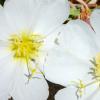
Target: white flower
[25, 26]
[75, 61]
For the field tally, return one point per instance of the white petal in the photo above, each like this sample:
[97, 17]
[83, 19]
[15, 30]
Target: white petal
[91, 93]
[66, 94]
[5, 28]
[36, 14]
[52, 14]
[70, 59]
[19, 13]
[6, 72]
[66, 37]
[95, 21]
[62, 68]
[36, 89]
[49, 43]
[3, 52]
[79, 39]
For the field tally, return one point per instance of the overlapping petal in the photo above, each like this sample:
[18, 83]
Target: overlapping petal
[77, 37]
[39, 16]
[95, 21]
[69, 60]
[90, 93]
[66, 93]
[63, 68]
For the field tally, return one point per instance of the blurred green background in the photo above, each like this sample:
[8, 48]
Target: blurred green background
[2, 2]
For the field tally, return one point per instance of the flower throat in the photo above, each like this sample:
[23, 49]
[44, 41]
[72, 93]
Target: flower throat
[25, 45]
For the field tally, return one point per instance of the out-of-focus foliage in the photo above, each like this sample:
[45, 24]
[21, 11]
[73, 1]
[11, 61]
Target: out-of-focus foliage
[74, 12]
[82, 9]
[2, 2]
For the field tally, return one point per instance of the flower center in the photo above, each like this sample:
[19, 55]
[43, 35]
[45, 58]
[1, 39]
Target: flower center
[25, 45]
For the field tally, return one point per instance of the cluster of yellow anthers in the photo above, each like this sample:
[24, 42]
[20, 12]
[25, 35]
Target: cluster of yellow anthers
[96, 68]
[26, 47]
[95, 72]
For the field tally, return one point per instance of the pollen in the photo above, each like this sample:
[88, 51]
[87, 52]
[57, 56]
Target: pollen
[25, 45]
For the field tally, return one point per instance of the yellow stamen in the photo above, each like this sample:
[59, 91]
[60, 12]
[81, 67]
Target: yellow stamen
[25, 45]
[96, 68]
[80, 88]
[95, 72]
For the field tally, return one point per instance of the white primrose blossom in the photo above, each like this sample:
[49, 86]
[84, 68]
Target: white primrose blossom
[75, 60]
[25, 27]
